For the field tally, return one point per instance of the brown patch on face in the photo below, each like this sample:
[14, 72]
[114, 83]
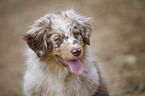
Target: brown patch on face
[73, 31]
[59, 34]
[66, 48]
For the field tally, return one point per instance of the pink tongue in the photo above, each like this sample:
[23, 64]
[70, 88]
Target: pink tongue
[75, 66]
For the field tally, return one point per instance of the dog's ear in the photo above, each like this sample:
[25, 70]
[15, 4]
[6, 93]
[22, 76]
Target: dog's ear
[36, 37]
[37, 42]
[86, 32]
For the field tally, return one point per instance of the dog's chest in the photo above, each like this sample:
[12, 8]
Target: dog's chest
[82, 86]
[77, 86]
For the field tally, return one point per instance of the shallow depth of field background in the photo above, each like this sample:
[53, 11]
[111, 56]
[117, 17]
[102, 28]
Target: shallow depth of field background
[118, 40]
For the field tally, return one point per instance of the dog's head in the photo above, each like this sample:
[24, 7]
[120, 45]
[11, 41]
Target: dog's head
[64, 35]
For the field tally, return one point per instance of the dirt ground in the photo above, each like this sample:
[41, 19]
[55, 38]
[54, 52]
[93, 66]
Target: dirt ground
[118, 40]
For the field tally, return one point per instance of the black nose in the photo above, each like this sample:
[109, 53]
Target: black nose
[76, 51]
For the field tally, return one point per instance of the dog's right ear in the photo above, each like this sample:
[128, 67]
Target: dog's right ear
[36, 37]
[36, 42]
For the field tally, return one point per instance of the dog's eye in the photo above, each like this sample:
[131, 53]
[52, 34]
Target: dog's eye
[57, 39]
[76, 34]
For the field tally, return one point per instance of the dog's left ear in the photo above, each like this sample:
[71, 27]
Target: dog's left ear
[86, 32]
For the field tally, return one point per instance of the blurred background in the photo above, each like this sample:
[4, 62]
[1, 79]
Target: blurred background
[118, 40]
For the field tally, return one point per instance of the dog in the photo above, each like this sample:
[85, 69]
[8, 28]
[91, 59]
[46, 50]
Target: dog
[60, 61]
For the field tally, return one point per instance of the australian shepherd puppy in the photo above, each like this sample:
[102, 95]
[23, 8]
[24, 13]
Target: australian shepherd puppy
[60, 62]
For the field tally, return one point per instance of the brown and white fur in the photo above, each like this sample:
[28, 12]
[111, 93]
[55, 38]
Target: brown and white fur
[53, 40]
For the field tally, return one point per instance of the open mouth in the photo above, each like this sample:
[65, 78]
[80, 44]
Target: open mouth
[75, 66]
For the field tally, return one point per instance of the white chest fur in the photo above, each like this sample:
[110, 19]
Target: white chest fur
[72, 85]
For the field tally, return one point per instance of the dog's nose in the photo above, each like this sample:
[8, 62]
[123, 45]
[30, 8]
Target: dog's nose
[76, 51]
